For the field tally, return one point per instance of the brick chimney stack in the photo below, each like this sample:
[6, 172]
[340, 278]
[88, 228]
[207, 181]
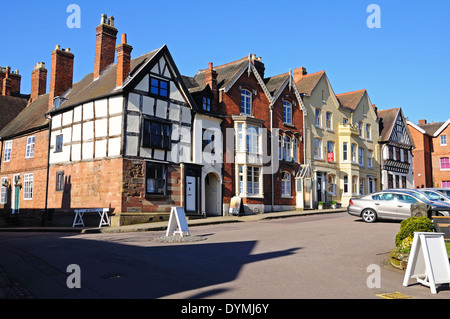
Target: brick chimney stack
[105, 47]
[422, 122]
[299, 73]
[211, 80]
[6, 85]
[61, 74]
[38, 81]
[123, 61]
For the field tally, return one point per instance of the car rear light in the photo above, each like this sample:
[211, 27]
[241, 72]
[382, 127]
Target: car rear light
[350, 202]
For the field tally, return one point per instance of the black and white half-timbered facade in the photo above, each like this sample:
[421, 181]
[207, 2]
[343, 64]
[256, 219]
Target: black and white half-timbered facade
[396, 150]
[126, 147]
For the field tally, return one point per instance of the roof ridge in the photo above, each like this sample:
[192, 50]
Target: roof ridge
[352, 92]
[224, 65]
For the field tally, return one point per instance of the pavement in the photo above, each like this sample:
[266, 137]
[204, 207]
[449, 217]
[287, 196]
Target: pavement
[12, 288]
[192, 221]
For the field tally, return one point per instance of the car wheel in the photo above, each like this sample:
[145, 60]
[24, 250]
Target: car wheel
[369, 216]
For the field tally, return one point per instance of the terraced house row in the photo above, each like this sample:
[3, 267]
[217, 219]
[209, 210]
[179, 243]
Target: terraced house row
[137, 137]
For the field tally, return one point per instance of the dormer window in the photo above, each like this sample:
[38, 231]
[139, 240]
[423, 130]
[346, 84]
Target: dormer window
[246, 102]
[206, 104]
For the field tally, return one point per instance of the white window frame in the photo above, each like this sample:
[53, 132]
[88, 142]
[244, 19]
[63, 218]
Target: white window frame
[318, 118]
[28, 186]
[8, 151]
[286, 190]
[443, 139]
[355, 185]
[3, 191]
[246, 102]
[295, 149]
[328, 120]
[287, 150]
[255, 186]
[252, 139]
[317, 148]
[332, 184]
[287, 112]
[353, 153]
[368, 132]
[370, 158]
[360, 127]
[345, 184]
[29, 153]
[361, 156]
[345, 151]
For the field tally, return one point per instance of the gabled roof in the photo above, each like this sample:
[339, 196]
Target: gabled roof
[387, 121]
[225, 73]
[350, 100]
[89, 89]
[443, 126]
[10, 107]
[308, 82]
[31, 118]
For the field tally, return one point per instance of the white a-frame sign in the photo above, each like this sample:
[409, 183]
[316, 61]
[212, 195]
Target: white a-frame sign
[178, 223]
[428, 261]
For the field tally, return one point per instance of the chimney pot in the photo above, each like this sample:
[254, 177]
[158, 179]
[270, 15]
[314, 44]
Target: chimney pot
[210, 66]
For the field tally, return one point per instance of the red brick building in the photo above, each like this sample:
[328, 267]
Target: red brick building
[118, 139]
[258, 166]
[432, 153]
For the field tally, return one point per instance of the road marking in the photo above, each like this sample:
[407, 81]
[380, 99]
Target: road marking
[396, 295]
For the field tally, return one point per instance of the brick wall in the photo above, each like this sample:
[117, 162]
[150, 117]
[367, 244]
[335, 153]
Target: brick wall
[421, 159]
[30, 209]
[440, 151]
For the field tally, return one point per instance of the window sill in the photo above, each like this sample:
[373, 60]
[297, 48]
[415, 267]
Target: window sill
[287, 196]
[288, 124]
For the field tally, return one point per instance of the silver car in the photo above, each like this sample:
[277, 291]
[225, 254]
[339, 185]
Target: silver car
[435, 194]
[445, 191]
[391, 204]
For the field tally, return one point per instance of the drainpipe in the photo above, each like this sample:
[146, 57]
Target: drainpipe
[48, 168]
[271, 153]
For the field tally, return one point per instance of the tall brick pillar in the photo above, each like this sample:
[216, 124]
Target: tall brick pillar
[61, 75]
[38, 81]
[123, 60]
[105, 46]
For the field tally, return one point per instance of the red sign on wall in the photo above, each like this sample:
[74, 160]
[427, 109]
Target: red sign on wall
[330, 157]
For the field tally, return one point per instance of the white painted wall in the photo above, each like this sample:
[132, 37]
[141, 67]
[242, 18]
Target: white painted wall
[91, 130]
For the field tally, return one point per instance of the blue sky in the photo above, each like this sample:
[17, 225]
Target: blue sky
[405, 63]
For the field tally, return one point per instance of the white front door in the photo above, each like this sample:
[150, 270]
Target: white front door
[190, 193]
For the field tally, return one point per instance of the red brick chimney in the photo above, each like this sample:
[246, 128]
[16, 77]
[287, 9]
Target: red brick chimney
[38, 81]
[422, 122]
[61, 75]
[299, 73]
[211, 80]
[105, 47]
[123, 60]
[6, 85]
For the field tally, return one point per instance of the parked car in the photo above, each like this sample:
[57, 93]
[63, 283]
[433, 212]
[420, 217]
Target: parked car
[445, 191]
[435, 194]
[391, 204]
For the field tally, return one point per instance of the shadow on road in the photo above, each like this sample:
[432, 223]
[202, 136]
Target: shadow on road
[117, 270]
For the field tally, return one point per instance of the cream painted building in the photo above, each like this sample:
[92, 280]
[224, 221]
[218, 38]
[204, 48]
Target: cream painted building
[341, 142]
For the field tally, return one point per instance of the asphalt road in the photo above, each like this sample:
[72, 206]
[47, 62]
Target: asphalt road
[310, 257]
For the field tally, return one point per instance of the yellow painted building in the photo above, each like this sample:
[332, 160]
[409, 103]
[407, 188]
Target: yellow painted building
[341, 142]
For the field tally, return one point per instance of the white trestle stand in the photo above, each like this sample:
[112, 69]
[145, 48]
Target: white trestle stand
[428, 261]
[177, 223]
[103, 213]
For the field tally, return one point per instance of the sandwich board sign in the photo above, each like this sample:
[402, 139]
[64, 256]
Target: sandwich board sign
[178, 223]
[428, 261]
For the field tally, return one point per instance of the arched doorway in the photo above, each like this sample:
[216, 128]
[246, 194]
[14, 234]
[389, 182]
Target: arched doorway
[212, 195]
